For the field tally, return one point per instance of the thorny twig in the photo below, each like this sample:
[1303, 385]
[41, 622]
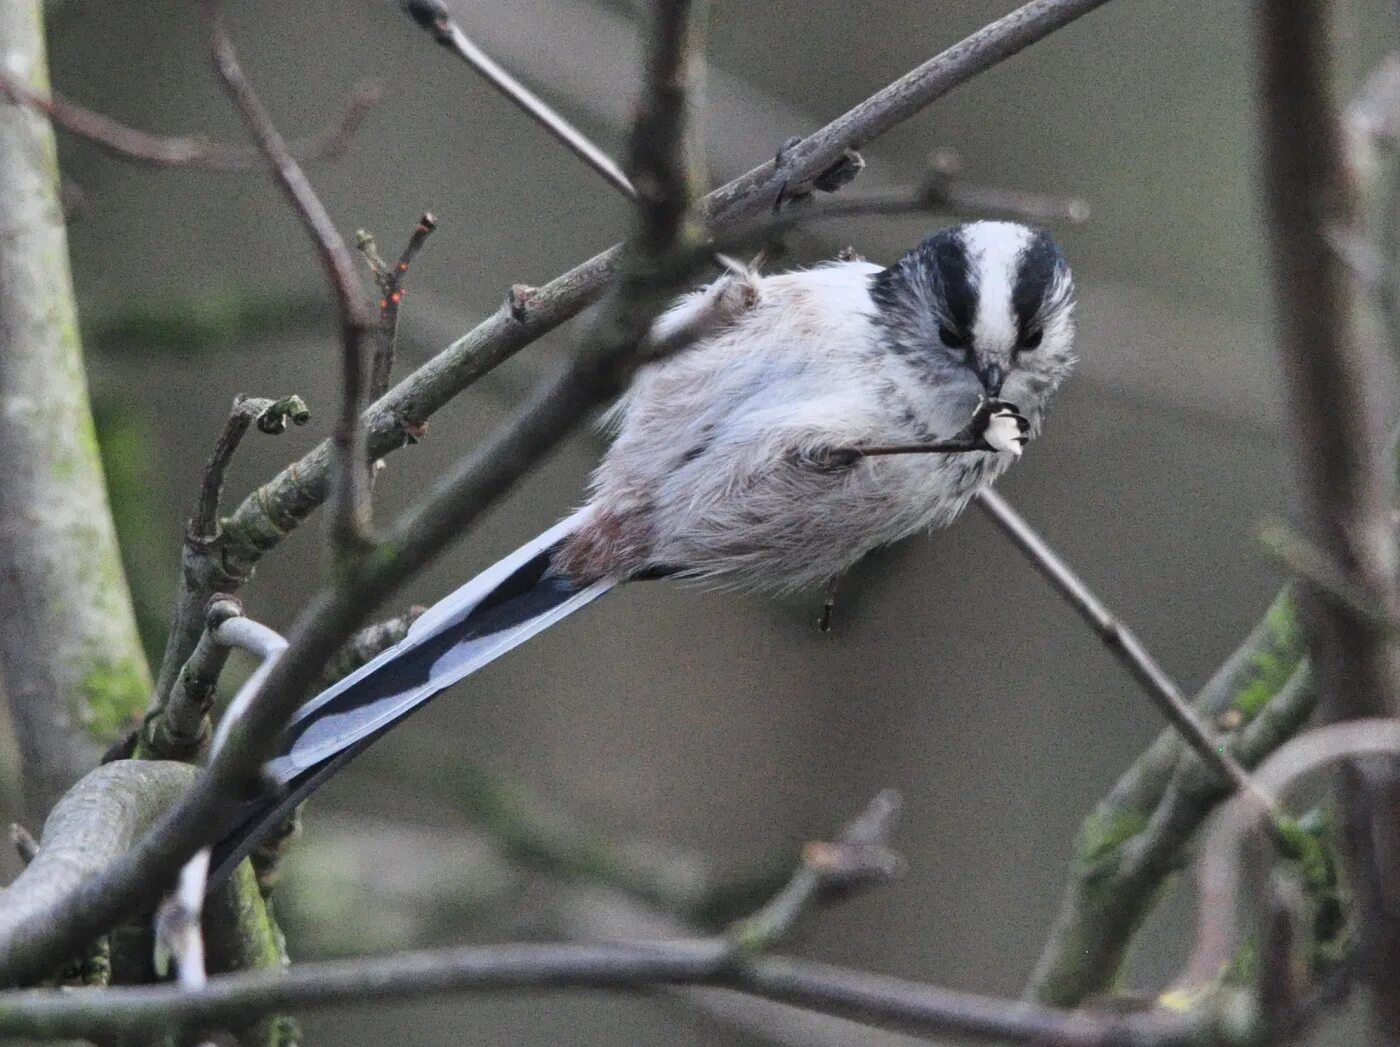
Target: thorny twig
[350, 521]
[129, 143]
[434, 16]
[390, 280]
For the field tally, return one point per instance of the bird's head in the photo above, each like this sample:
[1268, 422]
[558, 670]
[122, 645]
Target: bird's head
[986, 302]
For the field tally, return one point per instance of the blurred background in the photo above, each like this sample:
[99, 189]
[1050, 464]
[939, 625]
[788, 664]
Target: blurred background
[724, 730]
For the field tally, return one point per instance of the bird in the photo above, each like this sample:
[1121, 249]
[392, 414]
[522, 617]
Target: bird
[788, 424]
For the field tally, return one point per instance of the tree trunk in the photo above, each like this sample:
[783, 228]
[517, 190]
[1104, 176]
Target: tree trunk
[70, 660]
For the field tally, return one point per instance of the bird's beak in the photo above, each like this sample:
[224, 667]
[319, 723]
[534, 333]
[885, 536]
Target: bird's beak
[991, 377]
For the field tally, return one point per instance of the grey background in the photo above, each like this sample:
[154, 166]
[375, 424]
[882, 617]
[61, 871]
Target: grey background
[722, 723]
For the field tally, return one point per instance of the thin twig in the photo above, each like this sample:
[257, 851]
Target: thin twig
[271, 416]
[1121, 641]
[859, 856]
[129, 143]
[179, 729]
[350, 522]
[390, 282]
[434, 16]
[1315, 567]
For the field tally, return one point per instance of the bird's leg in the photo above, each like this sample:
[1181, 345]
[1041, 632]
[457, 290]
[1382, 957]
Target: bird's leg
[828, 604]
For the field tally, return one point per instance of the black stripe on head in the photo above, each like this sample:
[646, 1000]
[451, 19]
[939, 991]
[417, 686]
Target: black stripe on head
[931, 288]
[1036, 274]
[945, 256]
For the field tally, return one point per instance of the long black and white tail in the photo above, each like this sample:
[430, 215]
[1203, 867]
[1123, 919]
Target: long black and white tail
[494, 613]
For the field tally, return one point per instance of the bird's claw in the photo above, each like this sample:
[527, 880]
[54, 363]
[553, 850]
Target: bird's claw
[1001, 426]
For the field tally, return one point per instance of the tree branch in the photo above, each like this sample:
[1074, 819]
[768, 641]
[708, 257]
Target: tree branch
[129, 143]
[94, 823]
[859, 856]
[1220, 873]
[271, 416]
[434, 16]
[366, 644]
[1337, 398]
[391, 296]
[1119, 639]
[350, 523]
[1138, 834]
[725, 960]
[179, 729]
[427, 973]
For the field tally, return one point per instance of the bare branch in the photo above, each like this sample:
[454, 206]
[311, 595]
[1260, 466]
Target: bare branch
[417, 975]
[1314, 566]
[1121, 640]
[1219, 875]
[391, 295]
[859, 856]
[366, 644]
[271, 416]
[93, 824]
[179, 729]
[1339, 404]
[1138, 834]
[434, 16]
[726, 960]
[129, 143]
[350, 523]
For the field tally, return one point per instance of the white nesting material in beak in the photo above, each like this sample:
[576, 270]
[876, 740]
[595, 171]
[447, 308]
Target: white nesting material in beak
[1004, 432]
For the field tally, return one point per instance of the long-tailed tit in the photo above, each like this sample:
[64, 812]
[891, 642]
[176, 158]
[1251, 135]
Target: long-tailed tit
[775, 447]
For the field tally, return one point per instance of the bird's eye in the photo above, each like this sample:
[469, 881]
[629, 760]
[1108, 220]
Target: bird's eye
[1031, 340]
[952, 339]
